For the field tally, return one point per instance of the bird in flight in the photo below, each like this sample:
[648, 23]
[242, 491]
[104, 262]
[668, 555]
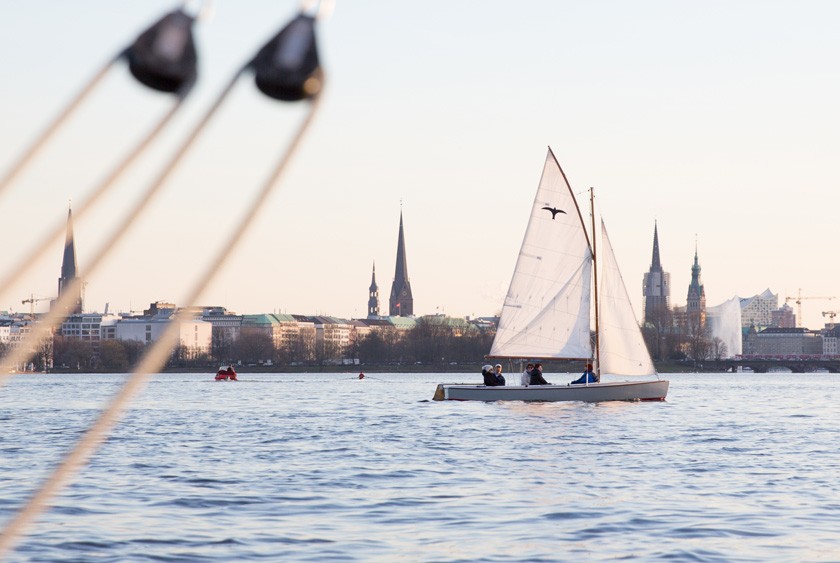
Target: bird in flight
[554, 211]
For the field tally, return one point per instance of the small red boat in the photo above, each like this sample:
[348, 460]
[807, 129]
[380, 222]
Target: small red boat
[226, 373]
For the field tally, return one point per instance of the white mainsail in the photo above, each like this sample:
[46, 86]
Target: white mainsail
[546, 310]
[622, 348]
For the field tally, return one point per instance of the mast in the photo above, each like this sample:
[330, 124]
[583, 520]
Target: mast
[595, 280]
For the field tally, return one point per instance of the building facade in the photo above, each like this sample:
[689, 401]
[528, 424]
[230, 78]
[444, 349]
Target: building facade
[783, 317]
[776, 341]
[758, 310]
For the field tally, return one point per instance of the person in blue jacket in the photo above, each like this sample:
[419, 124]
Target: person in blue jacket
[587, 377]
[490, 377]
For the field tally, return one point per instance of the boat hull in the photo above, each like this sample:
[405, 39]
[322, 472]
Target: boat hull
[592, 393]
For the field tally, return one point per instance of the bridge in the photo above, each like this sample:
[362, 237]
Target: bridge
[765, 364]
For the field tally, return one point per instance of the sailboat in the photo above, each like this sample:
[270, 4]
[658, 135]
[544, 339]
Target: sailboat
[554, 296]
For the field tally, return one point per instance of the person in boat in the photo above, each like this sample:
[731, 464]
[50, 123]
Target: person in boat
[537, 376]
[498, 370]
[525, 377]
[231, 373]
[587, 377]
[490, 377]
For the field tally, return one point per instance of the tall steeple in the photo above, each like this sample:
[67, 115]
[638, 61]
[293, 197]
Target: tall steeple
[401, 303]
[373, 295]
[696, 301]
[657, 287]
[68, 267]
[655, 264]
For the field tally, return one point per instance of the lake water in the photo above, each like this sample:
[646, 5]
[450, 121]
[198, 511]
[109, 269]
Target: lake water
[324, 467]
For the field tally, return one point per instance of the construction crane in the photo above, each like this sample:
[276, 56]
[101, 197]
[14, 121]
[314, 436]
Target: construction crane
[32, 300]
[830, 315]
[798, 300]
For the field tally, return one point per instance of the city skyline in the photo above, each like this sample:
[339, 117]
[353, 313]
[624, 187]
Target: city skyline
[656, 289]
[715, 122]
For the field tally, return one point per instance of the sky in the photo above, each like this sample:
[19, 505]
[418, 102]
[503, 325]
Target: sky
[717, 120]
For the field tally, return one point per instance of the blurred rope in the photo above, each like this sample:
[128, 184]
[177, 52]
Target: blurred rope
[155, 357]
[26, 348]
[45, 135]
[31, 258]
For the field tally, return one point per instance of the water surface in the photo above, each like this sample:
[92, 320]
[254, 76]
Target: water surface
[315, 467]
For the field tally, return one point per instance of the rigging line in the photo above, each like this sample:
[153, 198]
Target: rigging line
[26, 347]
[30, 258]
[151, 361]
[39, 142]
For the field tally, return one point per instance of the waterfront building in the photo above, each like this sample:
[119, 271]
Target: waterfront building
[783, 317]
[831, 341]
[401, 303]
[332, 338]
[758, 310]
[774, 341]
[292, 335]
[373, 296]
[657, 288]
[6, 330]
[19, 327]
[226, 326]
[194, 335]
[454, 326]
[69, 270]
[89, 327]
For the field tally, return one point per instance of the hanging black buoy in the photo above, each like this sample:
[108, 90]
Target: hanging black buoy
[163, 57]
[287, 67]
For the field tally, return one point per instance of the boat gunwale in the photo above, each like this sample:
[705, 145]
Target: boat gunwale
[554, 386]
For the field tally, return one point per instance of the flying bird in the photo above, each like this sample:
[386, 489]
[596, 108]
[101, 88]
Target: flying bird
[554, 211]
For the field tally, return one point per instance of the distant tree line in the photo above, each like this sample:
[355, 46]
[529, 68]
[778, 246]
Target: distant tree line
[429, 343]
[684, 340]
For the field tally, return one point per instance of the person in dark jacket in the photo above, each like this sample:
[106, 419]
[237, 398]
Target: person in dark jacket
[490, 377]
[537, 376]
[587, 377]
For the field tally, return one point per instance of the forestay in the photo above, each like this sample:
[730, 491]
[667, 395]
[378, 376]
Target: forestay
[546, 310]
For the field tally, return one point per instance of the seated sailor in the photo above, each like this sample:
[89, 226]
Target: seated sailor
[490, 377]
[525, 378]
[537, 376]
[587, 377]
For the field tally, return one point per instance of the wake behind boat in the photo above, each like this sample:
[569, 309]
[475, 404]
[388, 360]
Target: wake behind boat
[547, 310]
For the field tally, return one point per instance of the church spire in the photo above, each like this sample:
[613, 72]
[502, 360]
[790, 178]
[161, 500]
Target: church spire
[373, 295]
[657, 288]
[696, 300]
[401, 303]
[655, 264]
[68, 266]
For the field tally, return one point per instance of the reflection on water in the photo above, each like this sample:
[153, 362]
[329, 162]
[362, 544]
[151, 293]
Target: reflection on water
[325, 466]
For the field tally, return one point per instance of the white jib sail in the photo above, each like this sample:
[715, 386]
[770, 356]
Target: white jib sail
[546, 310]
[623, 350]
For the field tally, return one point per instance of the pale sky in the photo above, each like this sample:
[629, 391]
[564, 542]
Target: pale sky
[717, 119]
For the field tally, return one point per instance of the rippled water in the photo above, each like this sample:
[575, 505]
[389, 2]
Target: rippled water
[326, 467]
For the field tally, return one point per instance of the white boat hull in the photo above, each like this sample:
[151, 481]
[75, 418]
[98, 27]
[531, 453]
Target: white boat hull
[592, 393]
